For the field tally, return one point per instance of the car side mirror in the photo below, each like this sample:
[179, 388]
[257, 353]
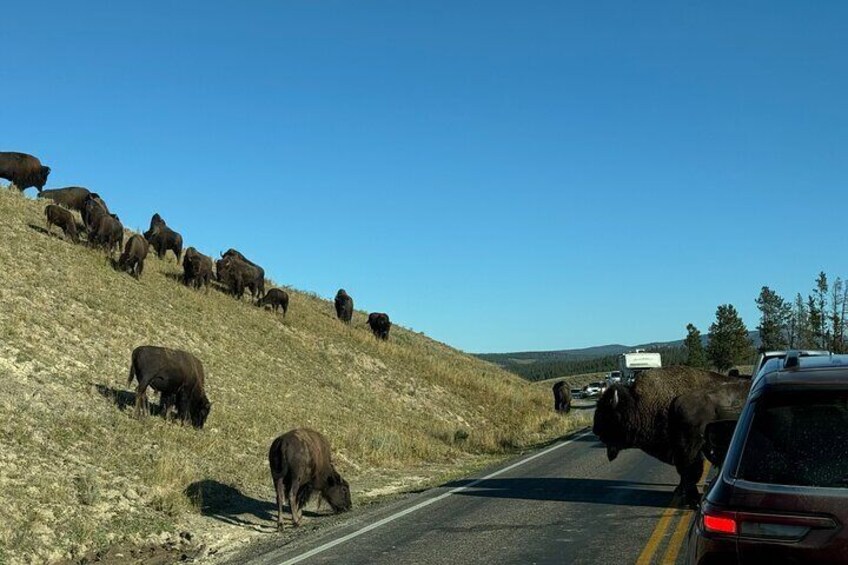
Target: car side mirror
[717, 436]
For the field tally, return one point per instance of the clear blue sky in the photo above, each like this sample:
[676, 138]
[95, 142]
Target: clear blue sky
[500, 175]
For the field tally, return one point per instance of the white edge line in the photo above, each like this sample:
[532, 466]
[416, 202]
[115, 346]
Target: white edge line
[428, 502]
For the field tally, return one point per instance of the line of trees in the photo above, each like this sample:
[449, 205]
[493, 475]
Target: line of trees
[815, 322]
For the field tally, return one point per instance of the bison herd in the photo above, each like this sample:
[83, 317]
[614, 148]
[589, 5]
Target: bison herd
[299, 460]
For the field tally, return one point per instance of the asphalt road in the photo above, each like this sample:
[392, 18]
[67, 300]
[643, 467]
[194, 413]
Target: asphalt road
[564, 504]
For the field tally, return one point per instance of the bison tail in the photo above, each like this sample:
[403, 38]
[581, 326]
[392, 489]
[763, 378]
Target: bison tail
[132, 370]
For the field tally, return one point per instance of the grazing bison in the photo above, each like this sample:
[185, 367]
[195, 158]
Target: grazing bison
[108, 233]
[380, 324]
[58, 216]
[344, 306]
[237, 275]
[177, 375]
[645, 415]
[258, 287]
[72, 197]
[300, 465]
[23, 170]
[275, 298]
[562, 397]
[197, 268]
[135, 252]
[93, 208]
[163, 238]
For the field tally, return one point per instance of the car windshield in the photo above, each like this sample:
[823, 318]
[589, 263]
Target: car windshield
[798, 438]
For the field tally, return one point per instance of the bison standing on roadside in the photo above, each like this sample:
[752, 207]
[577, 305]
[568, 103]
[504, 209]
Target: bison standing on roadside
[275, 298]
[58, 216]
[344, 306]
[23, 170]
[197, 268]
[177, 375]
[380, 324]
[135, 252]
[300, 465]
[649, 415]
[562, 397]
[72, 197]
[162, 238]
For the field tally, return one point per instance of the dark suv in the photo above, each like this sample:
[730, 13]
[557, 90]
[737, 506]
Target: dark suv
[781, 494]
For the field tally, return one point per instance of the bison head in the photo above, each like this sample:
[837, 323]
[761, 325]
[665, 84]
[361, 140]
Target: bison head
[612, 420]
[42, 178]
[199, 415]
[337, 493]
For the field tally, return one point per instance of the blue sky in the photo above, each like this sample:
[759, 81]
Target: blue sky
[500, 175]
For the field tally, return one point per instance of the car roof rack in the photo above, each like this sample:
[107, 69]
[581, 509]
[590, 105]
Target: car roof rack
[793, 359]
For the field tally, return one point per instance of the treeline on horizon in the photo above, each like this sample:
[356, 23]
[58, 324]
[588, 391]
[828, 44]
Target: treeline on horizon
[814, 321]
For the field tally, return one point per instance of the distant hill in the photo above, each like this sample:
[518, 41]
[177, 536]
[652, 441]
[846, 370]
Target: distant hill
[541, 365]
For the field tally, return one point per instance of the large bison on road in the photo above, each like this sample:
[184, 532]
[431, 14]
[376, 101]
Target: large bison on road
[663, 413]
[300, 465]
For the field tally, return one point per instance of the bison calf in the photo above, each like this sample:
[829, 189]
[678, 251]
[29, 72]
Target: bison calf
[344, 306]
[300, 465]
[132, 259]
[275, 298]
[58, 216]
[23, 170]
[380, 324]
[177, 375]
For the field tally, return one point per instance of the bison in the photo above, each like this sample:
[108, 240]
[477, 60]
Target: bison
[238, 275]
[72, 197]
[23, 170]
[108, 233]
[177, 375]
[380, 324]
[275, 298]
[197, 268]
[649, 415]
[300, 465]
[135, 252]
[93, 208]
[56, 215]
[258, 287]
[163, 238]
[344, 306]
[562, 397]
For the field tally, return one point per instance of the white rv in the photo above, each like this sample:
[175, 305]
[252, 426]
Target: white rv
[633, 363]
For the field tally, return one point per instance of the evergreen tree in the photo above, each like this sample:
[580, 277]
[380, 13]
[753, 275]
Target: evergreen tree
[815, 318]
[774, 320]
[837, 316]
[822, 331]
[695, 356]
[729, 343]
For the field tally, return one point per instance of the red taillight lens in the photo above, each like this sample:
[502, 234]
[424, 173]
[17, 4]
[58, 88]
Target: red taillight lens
[720, 524]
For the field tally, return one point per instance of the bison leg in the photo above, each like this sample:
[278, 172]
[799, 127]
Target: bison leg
[690, 473]
[294, 487]
[279, 488]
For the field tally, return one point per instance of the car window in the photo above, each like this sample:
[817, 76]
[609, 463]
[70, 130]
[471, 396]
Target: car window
[798, 438]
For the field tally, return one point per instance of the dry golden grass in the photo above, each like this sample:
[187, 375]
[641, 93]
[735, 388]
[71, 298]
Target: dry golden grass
[79, 472]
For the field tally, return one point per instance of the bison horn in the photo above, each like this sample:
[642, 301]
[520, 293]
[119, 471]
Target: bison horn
[612, 452]
[614, 400]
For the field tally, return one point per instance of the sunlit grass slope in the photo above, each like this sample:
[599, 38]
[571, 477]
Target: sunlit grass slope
[79, 472]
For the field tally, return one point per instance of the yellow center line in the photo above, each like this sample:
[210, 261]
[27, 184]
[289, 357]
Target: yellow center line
[647, 555]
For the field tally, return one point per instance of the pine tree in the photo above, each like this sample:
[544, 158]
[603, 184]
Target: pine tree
[822, 331]
[695, 356]
[774, 320]
[729, 341]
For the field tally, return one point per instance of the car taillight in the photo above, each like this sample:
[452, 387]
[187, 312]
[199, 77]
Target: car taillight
[724, 524]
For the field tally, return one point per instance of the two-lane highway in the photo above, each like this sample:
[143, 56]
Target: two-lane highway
[564, 504]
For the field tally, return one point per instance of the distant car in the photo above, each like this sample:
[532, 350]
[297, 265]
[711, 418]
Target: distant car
[781, 493]
[594, 389]
[576, 393]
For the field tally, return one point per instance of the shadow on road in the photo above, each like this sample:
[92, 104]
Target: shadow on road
[598, 491]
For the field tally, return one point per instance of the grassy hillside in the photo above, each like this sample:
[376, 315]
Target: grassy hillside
[79, 473]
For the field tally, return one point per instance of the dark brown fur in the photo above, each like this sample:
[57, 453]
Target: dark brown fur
[257, 288]
[58, 216]
[380, 324]
[237, 276]
[23, 170]
[93, 208]
[72, 197]
[300, 465]
[135, 252]
[162, 238]
[344, 306]
[275, 298]
[197, 268]
[177, 375]
[108, 233]
[562, 397]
